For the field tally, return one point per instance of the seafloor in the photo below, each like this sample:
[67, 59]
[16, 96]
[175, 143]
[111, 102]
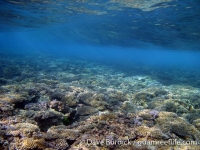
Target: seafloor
[51, 103]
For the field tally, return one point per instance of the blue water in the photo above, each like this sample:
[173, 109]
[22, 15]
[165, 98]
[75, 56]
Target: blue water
[163, 36]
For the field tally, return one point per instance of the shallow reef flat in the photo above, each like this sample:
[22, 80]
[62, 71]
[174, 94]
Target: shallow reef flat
[51, 103]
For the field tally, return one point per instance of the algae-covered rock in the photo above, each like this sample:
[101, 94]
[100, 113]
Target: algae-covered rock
[107, 116]
[61, 132]
[170, 106]
[100, 105]
[13, 98]
[129, 107]
[145, 114]
[61, 144]
[144, 96]
[23, 129]
[56, 95]
[160, 92]
[48, 118]
[31, 143]
[192, 116]
[20, 98]
[3, 81]
[99, 101]
[43, 105]
[142, 131]
[6, 109]
[184, 129]
[11, 71]
[164, 120]
[115, 96]
[85, 97]
[196, 123]
[27, 143]
[180, 129]
[86, 110]
[70, 99]
[59, 106]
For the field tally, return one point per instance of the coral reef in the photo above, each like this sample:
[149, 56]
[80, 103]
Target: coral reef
[50, 108]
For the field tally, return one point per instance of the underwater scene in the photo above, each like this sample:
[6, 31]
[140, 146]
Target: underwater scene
[100, 75]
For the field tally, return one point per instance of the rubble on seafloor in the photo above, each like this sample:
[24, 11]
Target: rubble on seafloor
[93, 107]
